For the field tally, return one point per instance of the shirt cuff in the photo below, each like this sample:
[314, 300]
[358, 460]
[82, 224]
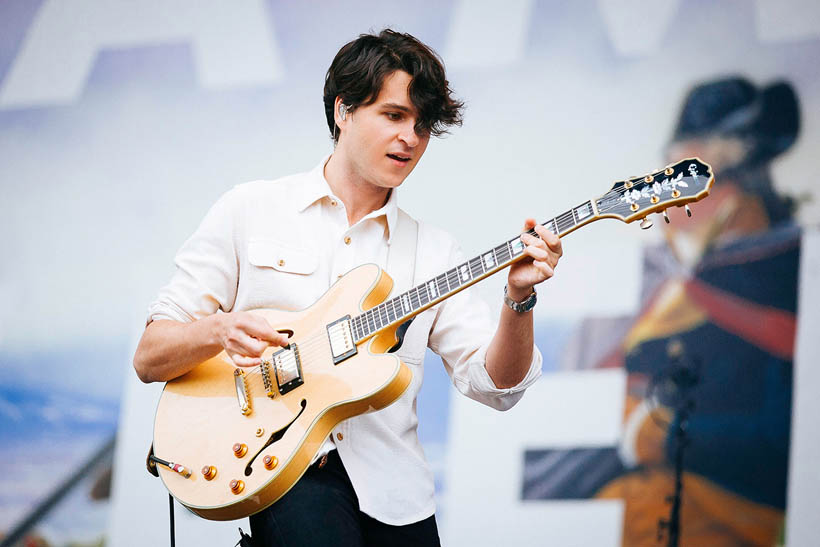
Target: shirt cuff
[501, 398]
[167, 310]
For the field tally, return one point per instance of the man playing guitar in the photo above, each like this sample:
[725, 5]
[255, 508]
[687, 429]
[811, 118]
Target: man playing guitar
[281, 244]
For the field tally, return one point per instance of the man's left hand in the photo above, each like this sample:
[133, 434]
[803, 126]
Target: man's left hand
[542, 255]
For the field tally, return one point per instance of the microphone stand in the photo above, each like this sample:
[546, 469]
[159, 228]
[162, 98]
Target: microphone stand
[679, 380]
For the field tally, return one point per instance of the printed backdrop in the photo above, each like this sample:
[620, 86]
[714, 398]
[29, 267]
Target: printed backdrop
[122, 122]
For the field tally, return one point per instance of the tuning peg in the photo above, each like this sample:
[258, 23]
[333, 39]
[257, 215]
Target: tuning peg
[646, 223]
[688, 210]
[666, 216]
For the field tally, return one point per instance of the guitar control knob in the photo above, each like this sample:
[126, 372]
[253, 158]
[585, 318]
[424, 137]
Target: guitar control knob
[237, 486]
[209, 472]
[240, 449]
[688, 210]
[646, 223]
[666, 216]
[270, 462]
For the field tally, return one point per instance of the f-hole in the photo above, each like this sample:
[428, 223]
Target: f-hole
[275, 436]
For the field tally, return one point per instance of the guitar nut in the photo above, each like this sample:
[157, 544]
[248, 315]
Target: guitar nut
[240, 449]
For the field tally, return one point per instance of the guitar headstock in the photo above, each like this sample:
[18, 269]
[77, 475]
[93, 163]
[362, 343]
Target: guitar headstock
[678, 184]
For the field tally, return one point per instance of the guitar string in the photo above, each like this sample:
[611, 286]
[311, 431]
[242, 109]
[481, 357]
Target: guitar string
[310, 341]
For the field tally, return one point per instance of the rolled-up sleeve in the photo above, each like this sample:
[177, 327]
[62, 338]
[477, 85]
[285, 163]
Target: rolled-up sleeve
[207, 265]
[460, 335]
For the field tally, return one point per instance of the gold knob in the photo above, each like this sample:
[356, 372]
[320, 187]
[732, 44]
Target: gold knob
[260, 431]
[676, 193]
[240, 449]
[649, 178]
[654, 199]
[634, 206]
[237, 486]
[209, 472]
[668, 171]
[270, 462]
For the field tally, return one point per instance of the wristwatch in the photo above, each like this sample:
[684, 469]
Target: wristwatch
[521, 307]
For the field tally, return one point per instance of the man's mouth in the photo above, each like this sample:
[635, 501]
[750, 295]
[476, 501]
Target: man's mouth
[399, 157]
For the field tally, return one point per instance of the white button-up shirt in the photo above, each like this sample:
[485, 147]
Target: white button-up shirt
[281, 244]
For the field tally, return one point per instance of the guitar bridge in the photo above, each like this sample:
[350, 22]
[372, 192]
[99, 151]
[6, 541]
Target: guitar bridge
[242, 395]
[266, 379]
[340, 335]
[287, 365]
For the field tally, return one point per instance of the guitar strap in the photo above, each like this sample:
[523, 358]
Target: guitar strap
[402, 253]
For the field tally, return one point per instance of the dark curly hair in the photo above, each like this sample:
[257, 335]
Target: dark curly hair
[358, 71]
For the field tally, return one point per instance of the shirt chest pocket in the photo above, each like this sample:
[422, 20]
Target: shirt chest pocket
[285, 273]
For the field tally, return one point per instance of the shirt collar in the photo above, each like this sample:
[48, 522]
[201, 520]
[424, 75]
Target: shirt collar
[315, 187]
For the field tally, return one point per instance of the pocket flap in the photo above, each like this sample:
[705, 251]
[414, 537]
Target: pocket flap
[272, 254]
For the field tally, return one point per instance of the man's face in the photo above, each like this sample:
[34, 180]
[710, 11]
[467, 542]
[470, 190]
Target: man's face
[379, 140]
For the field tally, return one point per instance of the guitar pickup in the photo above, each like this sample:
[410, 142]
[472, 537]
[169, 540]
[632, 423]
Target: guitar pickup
[341, 340]
[287, 365]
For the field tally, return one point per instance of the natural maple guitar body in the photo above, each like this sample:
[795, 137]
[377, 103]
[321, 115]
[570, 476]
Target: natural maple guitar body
[239, 439]
[198, 420]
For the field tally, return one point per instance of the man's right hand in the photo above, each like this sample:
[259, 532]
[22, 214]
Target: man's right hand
[245, 336]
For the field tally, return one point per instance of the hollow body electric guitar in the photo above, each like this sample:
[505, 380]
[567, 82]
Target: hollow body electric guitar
[231, 441]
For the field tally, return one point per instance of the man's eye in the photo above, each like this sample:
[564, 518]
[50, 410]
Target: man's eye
[395, 116]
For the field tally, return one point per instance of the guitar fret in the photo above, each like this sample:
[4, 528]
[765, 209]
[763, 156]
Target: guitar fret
[383, 314]
[502, 253]
[452, 279]
[443, 287]
[516, 246]
[464, 273]
[476, 268]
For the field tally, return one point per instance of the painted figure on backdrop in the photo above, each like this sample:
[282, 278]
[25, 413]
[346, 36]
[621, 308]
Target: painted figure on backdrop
[282, 245]
[719, 303]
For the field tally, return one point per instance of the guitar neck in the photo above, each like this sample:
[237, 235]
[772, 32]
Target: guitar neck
[407, 305]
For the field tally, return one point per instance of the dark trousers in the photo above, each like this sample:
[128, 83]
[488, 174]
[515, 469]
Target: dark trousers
[322, 510]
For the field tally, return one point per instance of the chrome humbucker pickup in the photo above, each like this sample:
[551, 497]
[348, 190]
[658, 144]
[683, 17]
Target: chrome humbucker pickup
[342, 345]
[287, 366]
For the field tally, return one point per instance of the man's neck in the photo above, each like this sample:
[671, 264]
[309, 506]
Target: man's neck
[359, 196]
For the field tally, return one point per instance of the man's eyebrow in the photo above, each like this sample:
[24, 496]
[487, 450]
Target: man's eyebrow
[396, 106]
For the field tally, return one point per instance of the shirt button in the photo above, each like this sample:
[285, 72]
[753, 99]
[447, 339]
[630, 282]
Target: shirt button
[333, 202]
[339, 276]
[347, 240]
[339, 436]
[281, 262]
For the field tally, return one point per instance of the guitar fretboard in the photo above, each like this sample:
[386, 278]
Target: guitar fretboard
[401, 308]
